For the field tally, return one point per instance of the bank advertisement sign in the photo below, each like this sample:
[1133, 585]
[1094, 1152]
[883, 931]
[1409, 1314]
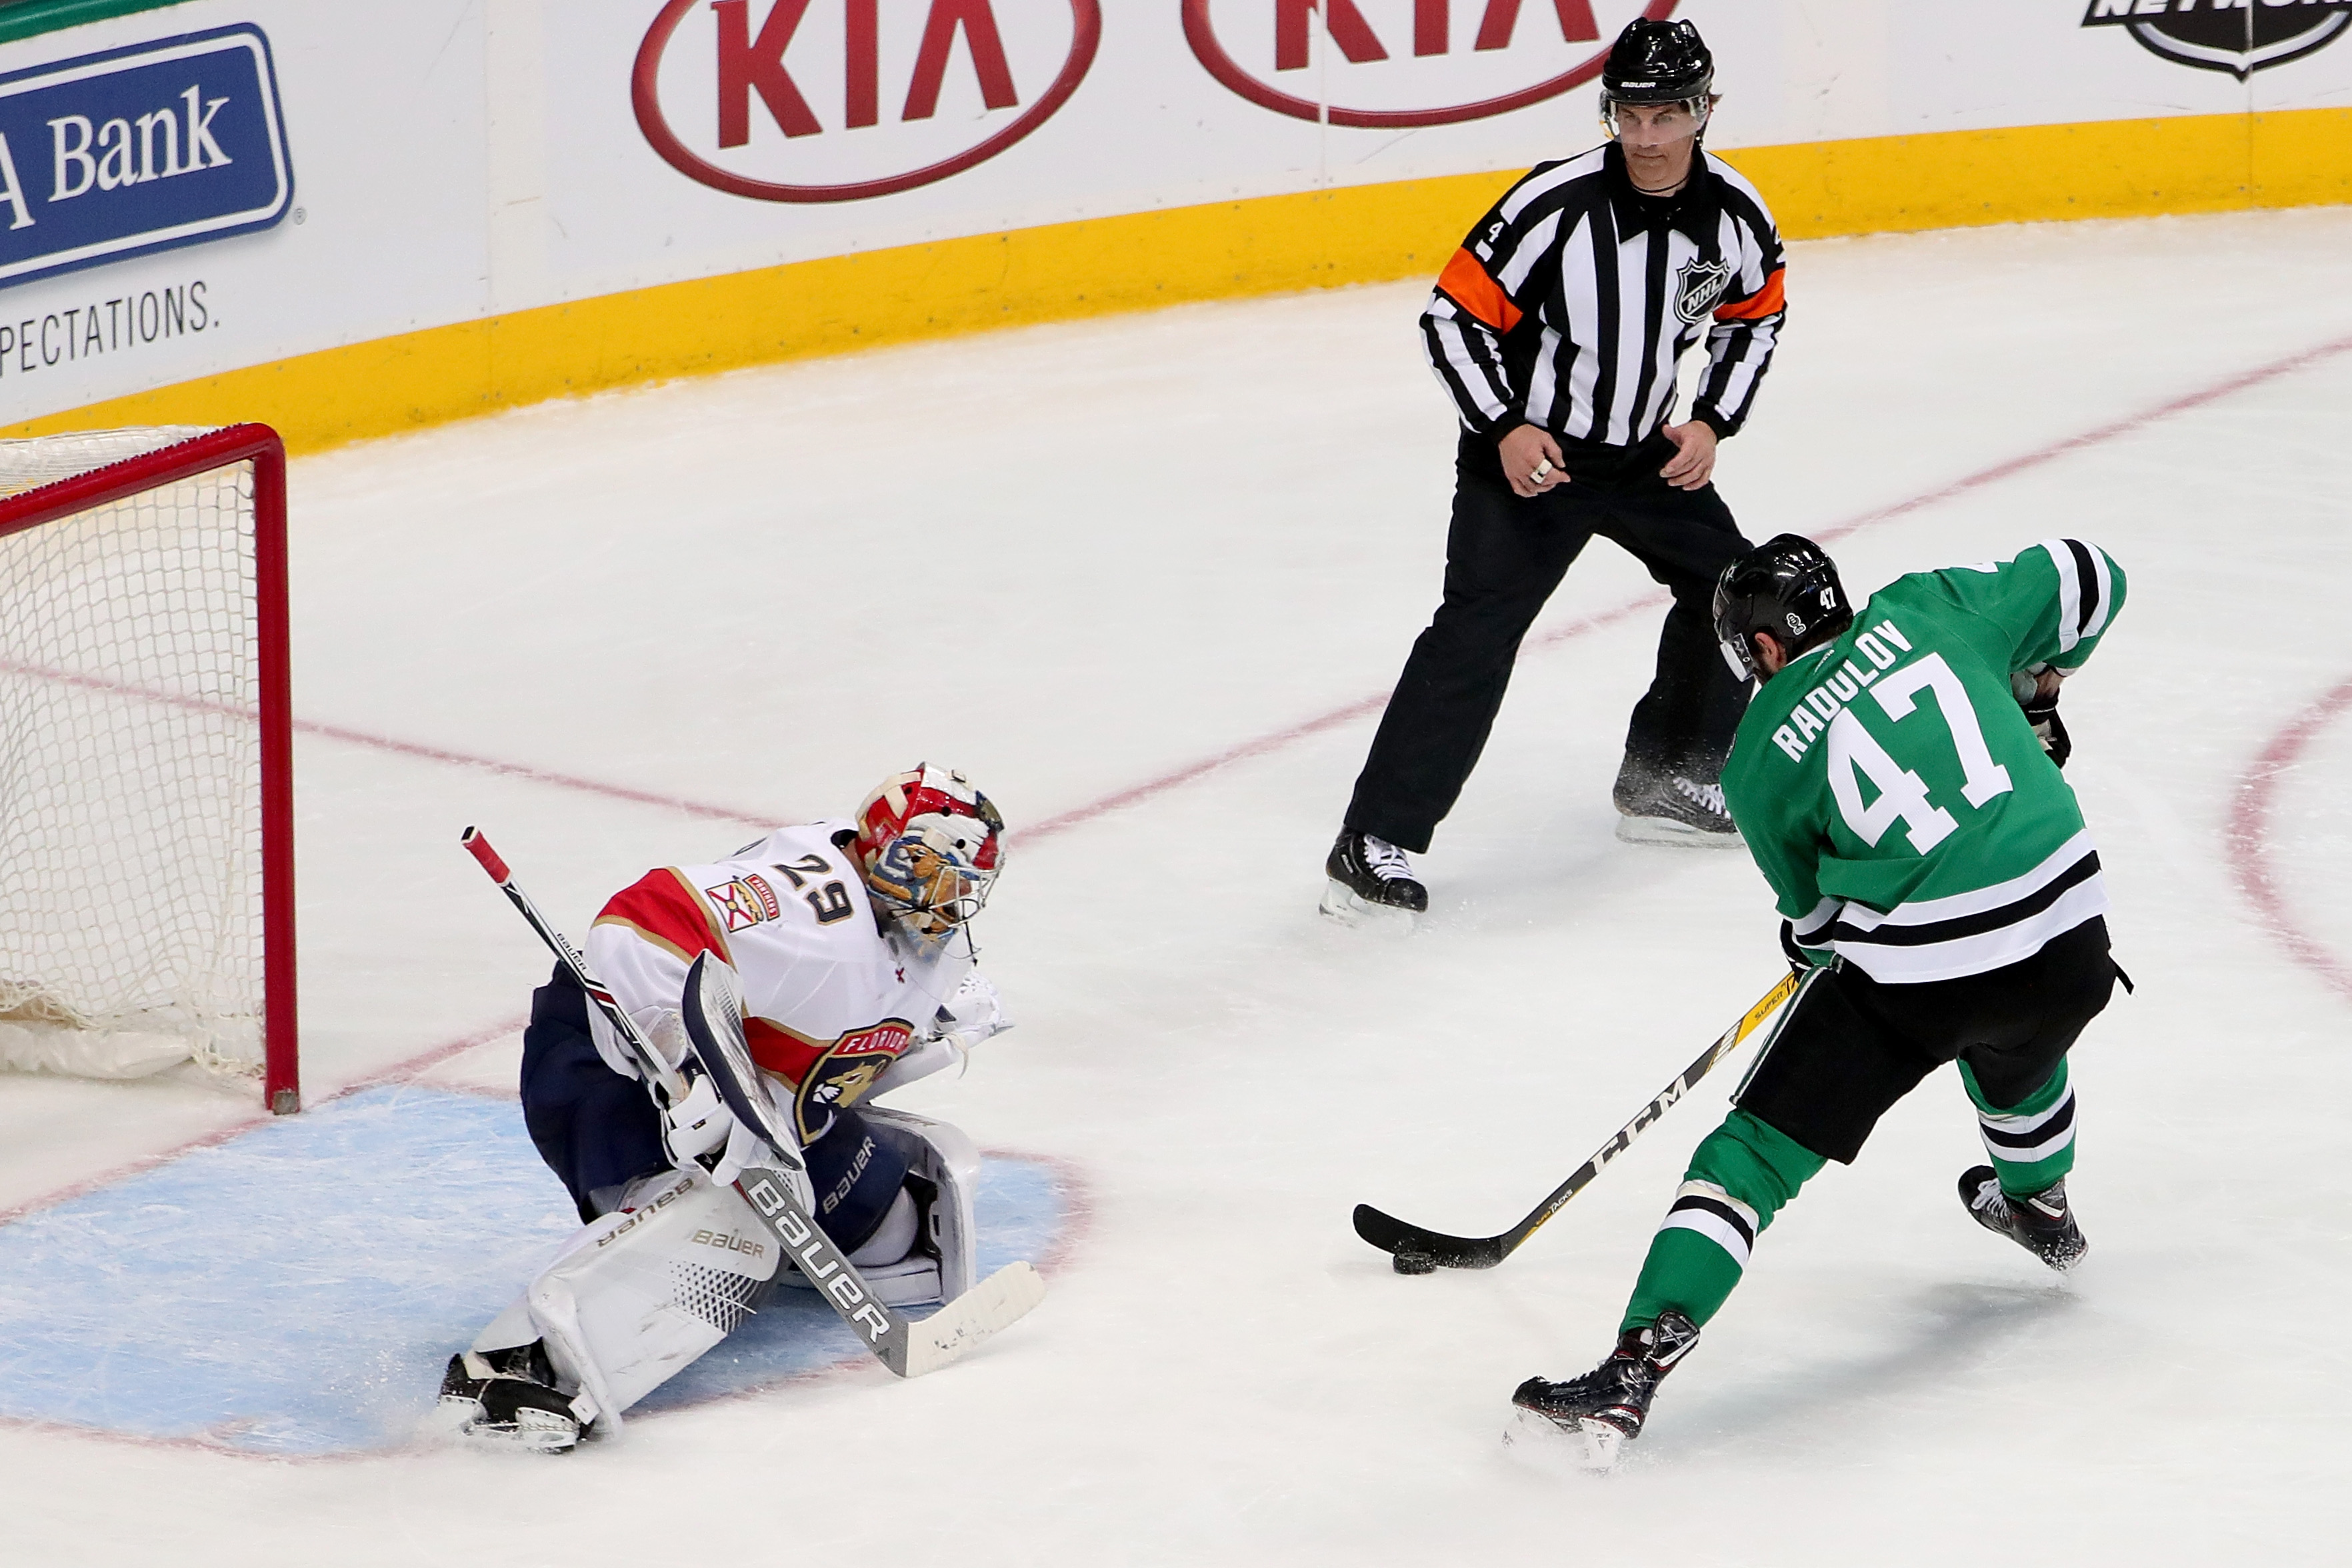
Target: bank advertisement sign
[138, 150]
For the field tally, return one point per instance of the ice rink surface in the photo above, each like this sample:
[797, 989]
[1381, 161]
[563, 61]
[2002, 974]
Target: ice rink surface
[1084, 562]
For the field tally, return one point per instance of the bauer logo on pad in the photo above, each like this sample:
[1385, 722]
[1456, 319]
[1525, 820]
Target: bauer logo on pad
[138, 150]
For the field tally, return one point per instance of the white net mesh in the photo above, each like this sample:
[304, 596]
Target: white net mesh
[131, 927]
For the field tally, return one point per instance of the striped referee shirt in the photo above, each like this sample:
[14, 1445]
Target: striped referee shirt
[1570, 303]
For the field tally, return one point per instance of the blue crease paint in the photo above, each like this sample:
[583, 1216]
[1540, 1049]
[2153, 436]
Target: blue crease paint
[296, 1290]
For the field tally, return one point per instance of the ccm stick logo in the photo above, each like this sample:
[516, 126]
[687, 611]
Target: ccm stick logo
[834, 101]
[1396, 64]
[807, 1248]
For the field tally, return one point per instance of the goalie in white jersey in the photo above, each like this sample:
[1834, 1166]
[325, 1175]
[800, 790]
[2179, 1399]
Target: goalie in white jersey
[842, 934]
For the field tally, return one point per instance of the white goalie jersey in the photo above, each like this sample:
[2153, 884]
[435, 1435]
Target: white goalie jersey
[834, 996]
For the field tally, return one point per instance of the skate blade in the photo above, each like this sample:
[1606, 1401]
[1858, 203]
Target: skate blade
[1340, 904]
[1585, 1447]
[460, 1421]
[1665, 830]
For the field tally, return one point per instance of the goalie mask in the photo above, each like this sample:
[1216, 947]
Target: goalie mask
[930, 845]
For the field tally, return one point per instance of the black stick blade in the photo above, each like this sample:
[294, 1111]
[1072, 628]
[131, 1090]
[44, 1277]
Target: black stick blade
[1410, 1246]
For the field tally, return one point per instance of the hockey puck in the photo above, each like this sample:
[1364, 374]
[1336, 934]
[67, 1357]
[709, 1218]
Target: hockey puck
[1414, 1263]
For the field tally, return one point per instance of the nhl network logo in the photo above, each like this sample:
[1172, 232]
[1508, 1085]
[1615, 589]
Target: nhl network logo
[2241, 36]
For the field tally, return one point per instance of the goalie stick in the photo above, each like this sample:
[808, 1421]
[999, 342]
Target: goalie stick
[908, 1346]
[1418, 1251]
[714, 1021]
[666, 1080]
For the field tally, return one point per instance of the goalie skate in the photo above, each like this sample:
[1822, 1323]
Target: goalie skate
[508, 1399]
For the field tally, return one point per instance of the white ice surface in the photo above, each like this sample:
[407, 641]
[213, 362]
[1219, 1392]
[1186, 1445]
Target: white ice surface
[1076, 559]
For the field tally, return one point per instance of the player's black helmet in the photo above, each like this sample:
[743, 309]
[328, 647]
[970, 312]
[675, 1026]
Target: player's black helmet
[1788, 586]
[1657, 62]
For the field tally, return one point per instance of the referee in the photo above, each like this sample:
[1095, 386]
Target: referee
[1557, 329]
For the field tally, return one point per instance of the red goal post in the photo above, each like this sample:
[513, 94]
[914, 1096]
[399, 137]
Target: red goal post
[146, 750]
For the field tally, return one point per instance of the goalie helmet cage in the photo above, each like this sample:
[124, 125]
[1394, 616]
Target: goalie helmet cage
[146, 745]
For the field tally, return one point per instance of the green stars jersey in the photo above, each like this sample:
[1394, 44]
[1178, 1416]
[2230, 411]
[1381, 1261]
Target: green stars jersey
[1893, 792]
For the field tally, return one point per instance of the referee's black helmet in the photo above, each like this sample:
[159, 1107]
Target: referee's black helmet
[1657, 62]
[1788, 586]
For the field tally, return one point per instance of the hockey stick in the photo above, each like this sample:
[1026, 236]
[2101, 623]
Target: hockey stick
[658, 1073]
[910, 1347]
[1418, 1251]
[907, 1349]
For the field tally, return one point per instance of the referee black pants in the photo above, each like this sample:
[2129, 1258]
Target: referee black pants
[1504, 556]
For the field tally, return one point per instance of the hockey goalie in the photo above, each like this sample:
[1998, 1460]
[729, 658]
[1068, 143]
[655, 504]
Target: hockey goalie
[843, 936]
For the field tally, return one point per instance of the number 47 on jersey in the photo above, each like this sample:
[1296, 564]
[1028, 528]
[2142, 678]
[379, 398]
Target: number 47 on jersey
[1854, 755]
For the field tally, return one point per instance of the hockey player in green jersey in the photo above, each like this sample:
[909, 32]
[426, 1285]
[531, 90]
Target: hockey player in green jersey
[1896, 778]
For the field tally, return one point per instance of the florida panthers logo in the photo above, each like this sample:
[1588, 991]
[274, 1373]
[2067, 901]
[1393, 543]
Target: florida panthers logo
[1698, 285]
[845, 1072]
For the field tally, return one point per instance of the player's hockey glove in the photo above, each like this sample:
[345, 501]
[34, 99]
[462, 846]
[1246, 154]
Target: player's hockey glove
[2042, 713]
[1801, 959]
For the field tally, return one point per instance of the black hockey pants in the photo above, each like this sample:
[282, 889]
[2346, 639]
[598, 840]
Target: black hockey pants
[1504, 556]
[1852, 1046]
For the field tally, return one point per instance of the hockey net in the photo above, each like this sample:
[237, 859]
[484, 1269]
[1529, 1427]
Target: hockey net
[146, 852]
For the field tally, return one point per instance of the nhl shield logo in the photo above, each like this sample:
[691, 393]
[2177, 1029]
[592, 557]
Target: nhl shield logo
[2221, 36]
[1700, 284]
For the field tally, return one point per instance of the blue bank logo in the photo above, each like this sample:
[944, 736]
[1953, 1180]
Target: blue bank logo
[140, 150]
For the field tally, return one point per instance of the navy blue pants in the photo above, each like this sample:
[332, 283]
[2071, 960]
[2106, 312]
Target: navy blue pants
[598, 1131]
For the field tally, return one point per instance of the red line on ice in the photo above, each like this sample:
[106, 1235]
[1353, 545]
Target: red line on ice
[2248, 838]
[704, 809]
[138, 693]
[2249, 821]
[2128, 424]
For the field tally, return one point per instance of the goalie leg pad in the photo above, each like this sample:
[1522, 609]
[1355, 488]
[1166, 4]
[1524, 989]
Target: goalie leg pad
[639, 1295]
[855, 1177]
[942, 1174]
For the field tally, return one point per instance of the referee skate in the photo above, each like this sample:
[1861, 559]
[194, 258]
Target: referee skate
[1243, 783]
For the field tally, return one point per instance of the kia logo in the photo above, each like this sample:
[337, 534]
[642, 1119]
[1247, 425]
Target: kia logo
[1403, 63]
[835, 101]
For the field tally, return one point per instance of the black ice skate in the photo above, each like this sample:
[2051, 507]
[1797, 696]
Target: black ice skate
[1671, 808]
[509, 1397]
[1370, 876]
[2044, 1225]
[1606, 1406]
